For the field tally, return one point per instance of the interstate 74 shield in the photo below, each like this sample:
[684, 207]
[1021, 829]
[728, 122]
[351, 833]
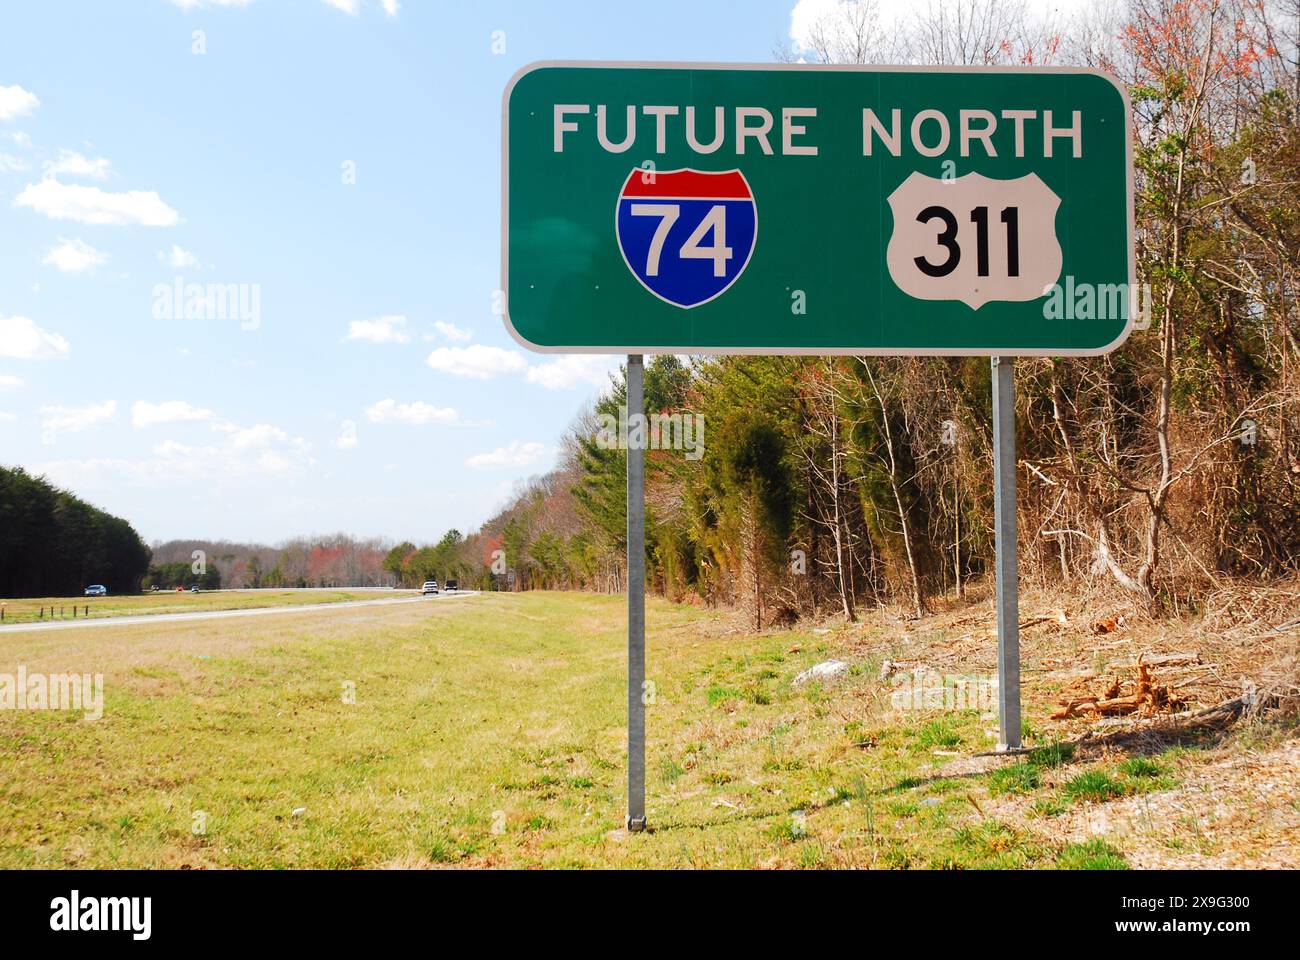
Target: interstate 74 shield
[686, 234]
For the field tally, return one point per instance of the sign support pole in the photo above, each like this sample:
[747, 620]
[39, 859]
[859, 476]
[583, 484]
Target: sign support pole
[1004, 520]
[636, 821]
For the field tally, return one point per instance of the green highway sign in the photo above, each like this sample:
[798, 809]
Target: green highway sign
[724, 208]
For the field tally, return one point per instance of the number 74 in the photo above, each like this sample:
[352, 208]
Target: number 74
[715, 220]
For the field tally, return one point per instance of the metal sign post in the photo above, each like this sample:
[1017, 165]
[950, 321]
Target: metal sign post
[635, 596]
[1004, 520]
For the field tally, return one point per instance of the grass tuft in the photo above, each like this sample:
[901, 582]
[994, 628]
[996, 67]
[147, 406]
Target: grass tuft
[1096, 786]
[719, 695]
[1094, 854]
[938, 734]
[1018, 778]
[1051, 756]
[1140, 767]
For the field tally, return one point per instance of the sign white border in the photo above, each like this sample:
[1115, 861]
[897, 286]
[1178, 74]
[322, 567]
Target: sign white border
[805, 351]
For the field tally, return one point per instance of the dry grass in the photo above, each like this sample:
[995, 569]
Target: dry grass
[490, 733]
[1227, 794]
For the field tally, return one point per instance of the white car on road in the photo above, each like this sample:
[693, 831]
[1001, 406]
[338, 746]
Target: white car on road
[430, 586]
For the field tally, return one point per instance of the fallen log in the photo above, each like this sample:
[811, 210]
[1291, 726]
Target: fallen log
[1073, 708]
[1147, 699]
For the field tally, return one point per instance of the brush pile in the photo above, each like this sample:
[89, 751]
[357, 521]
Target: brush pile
[1145, 697]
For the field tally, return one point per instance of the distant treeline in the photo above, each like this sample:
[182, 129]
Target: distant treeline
[452, 558]
[168, 576]
[336, 560]
[52, 543]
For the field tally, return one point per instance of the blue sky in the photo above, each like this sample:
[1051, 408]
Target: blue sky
[340, 161]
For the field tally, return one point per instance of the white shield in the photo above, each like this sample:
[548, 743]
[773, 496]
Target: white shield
[974, 239]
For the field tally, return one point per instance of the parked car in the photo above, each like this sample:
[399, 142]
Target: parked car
[453, 585]
[430, 586]
[97, 590]
[194, 589]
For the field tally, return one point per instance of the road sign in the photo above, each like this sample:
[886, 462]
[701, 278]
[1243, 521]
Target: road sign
[664, 222]
[981, 211]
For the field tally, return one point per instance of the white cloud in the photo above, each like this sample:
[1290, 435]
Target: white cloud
[807, 16]
[259, 451]
[347, 438]
[390, 7]
[74, 256]
[386, 329]
[417, 413]
[351, 7]
[145, 414]
[8, 383]
[259, 435]
[22, 339]
[515, 454]
[76, 165]
[21, 138]
[572, 370]
[478, 362]
[452, 332]
[70, 201]
[174, 448]
[72, 419]
[9, 163]
[7, 417]
[172, 463]
[178, 258]
[16, 102]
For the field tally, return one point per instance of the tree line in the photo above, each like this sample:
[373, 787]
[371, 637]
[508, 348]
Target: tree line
[54, 544]
[169, 576]
[451, 558]
[335, 560]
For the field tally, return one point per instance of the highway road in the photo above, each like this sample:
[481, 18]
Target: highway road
[93, 622]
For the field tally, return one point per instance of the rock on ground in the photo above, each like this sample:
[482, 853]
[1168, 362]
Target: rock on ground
[826, 670]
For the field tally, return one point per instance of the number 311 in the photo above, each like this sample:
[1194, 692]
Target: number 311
[947, 239]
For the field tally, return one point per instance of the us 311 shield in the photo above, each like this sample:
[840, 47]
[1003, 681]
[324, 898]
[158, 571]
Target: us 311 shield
[686, 235]
[974, 239]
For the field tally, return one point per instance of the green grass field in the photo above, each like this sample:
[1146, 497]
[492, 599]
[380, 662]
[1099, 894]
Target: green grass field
[490, 732]
[27, 609]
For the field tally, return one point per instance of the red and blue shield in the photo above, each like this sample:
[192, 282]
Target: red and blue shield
[686, 235]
